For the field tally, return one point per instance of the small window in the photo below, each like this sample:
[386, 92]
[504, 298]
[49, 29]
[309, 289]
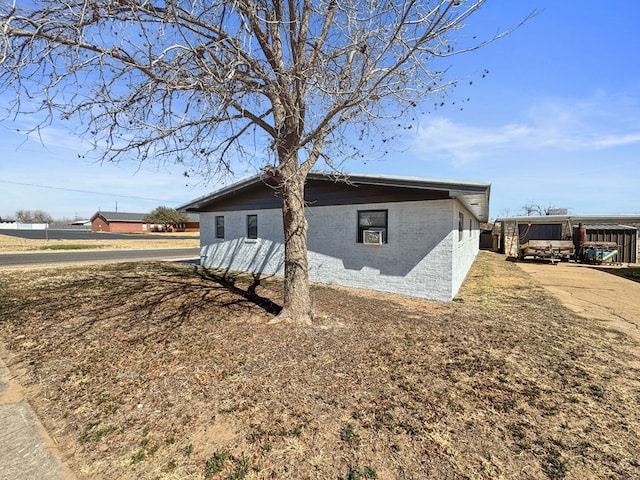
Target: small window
[470, 226]
[252, 226]
[219, 226]
[460, 225]
[372, 220]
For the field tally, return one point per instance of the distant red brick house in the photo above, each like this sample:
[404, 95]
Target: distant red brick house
[124, 222]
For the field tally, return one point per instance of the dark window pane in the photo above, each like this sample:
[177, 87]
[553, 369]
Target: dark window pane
[220, 227]
[373, 218]
[252, 226]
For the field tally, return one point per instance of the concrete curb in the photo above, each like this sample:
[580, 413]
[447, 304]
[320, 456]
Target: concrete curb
[24, 444]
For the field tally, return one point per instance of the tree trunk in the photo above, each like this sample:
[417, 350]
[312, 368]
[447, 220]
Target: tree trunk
[297, 308]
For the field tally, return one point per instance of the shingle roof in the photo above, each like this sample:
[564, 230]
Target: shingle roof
[120, 216]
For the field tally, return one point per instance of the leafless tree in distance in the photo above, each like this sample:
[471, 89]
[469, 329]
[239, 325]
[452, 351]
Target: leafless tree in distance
[33, 216]
[532, 208]
[200, 82]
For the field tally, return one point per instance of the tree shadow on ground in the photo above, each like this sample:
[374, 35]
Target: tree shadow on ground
[231, 281]
[134, 303]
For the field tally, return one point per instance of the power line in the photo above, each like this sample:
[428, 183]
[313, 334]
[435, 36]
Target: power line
[85, 191]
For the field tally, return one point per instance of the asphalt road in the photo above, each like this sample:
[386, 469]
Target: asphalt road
[90, 256]
[62, 234]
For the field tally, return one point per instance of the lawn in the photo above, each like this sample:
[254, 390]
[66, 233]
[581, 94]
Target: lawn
[165, 371]
[631, 273]
[9, 243]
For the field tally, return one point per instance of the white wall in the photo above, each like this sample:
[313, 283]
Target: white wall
[236, 252]
[417, 260]
[23, 226]
[414, 261]
[465, 249]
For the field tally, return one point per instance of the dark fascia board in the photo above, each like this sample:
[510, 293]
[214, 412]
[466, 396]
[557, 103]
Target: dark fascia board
[195, 205]
[473, 195]
[410, 182]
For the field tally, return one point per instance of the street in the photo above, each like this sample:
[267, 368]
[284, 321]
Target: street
[90, 256]
[63, 234]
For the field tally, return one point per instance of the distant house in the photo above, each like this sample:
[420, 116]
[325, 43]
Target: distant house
[413, 236]
[124, 222]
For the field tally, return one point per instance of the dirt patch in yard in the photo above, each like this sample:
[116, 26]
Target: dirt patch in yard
[157, 370]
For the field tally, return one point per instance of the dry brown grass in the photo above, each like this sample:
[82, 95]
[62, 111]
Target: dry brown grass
[157, 370]
[10, 243]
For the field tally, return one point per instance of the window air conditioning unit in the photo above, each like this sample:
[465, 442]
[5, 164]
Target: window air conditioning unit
[372, 237]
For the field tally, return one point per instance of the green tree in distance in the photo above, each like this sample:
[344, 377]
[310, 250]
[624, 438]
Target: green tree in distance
[169, 218]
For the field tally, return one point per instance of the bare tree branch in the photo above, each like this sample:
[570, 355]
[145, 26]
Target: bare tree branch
[196, 82]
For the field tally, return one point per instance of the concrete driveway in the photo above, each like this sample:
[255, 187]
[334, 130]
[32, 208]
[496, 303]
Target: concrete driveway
[592, 293]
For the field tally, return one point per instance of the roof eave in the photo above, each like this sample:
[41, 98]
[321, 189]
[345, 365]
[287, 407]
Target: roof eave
[473, 195]
[196, 205]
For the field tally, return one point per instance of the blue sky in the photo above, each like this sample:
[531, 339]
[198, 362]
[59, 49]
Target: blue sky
[556, 122]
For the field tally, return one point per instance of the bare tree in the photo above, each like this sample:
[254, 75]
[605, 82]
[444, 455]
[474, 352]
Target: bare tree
[33, 216]
[532, 208]
[197, 82]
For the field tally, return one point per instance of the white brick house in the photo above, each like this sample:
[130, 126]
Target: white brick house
[428, 229]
